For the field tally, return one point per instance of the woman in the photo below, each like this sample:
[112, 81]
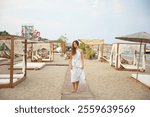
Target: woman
[77, 65]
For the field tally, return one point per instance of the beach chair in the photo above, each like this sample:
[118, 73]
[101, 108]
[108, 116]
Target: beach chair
[5, 78]
[40, 57]
[3, 59]
[143, 78]
[30, 66]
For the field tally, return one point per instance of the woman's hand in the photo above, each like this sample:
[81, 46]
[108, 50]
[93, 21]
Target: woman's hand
[71, 67]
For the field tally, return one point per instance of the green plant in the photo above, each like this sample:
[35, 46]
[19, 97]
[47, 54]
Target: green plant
[1, 48]
[90, 53]
[4, 33]
[82, 47]
[62, 39]
[59, 40]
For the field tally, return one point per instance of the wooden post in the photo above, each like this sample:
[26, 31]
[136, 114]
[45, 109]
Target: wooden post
[62, 47]
[11, 61]
[102, 50]
[51, 48]
[53, 51]
[144, 48]
[98, 53]
[117, 55]
[25, 56]
[31, 51]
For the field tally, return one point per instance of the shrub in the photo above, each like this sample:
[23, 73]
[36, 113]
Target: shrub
[90, 54]
[82, 47]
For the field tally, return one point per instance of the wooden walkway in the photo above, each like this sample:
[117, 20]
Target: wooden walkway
[83, 93]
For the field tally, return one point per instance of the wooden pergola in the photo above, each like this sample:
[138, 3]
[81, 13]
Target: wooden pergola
[12, 39]
[106, 51]
[51, 46]
[94, 42]
[116, 54]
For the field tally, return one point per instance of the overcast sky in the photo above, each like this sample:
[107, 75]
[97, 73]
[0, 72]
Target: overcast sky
[88, 19]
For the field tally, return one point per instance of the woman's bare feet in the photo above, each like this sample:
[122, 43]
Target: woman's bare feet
[73, 91]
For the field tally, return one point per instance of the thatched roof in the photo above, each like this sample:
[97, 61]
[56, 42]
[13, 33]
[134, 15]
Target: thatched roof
[136, 37]
[91, 41]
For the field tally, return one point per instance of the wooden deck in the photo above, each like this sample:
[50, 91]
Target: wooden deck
[83, 93]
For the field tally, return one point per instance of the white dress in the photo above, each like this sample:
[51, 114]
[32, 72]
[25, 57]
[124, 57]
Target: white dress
[77, 73]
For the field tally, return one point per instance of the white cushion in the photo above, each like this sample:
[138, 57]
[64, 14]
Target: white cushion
[31, 65]
[144, 78]
[6, 81]
[7, 76]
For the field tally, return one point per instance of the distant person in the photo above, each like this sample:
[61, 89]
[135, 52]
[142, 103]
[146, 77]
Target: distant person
[77, 66]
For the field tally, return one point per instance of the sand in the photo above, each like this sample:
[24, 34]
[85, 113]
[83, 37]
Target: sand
[103, 81]
[107, 83]
[40, 84]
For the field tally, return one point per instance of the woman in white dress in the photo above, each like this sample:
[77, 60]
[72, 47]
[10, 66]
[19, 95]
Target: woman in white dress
[77, 66]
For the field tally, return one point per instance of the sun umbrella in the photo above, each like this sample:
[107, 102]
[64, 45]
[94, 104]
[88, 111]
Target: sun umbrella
[141, 37]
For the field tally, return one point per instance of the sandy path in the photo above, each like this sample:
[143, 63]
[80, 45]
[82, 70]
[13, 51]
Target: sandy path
[107, 83]
[40, 84]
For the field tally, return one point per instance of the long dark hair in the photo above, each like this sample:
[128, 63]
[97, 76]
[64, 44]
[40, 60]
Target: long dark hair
[73, 49]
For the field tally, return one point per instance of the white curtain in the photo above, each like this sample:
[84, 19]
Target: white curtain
[40, 46]
[100, 51]
[134, 51]
[130, 47]
[143, 62]
[113, 54]
[18, 45]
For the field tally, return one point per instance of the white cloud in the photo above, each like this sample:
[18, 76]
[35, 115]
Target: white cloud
[77, 18]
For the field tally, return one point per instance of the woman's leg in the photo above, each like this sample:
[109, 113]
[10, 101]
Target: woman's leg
[77, 85]
[73, 87]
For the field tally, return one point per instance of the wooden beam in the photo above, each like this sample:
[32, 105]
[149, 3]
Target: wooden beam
[5, 37]
[91, 41]
[25, 56]
[11, 61]
[5, 86]
[53, 51]
[117, 55]
[19, 81]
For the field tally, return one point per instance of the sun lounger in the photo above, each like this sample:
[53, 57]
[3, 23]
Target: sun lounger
[106, 59]
[6, 81]
[3, 59]
[7, 76]
[30, 65]
[131, 67]
[143, 78]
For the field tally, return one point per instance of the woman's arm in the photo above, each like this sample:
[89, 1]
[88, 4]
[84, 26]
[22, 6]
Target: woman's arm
[82, 59]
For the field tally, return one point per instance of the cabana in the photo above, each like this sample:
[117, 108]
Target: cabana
[124, 55]
[141, 37]
[105, 50]
[42, 52]
[59, 47]
[96, 44]
[15, 45]
[30, 65]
